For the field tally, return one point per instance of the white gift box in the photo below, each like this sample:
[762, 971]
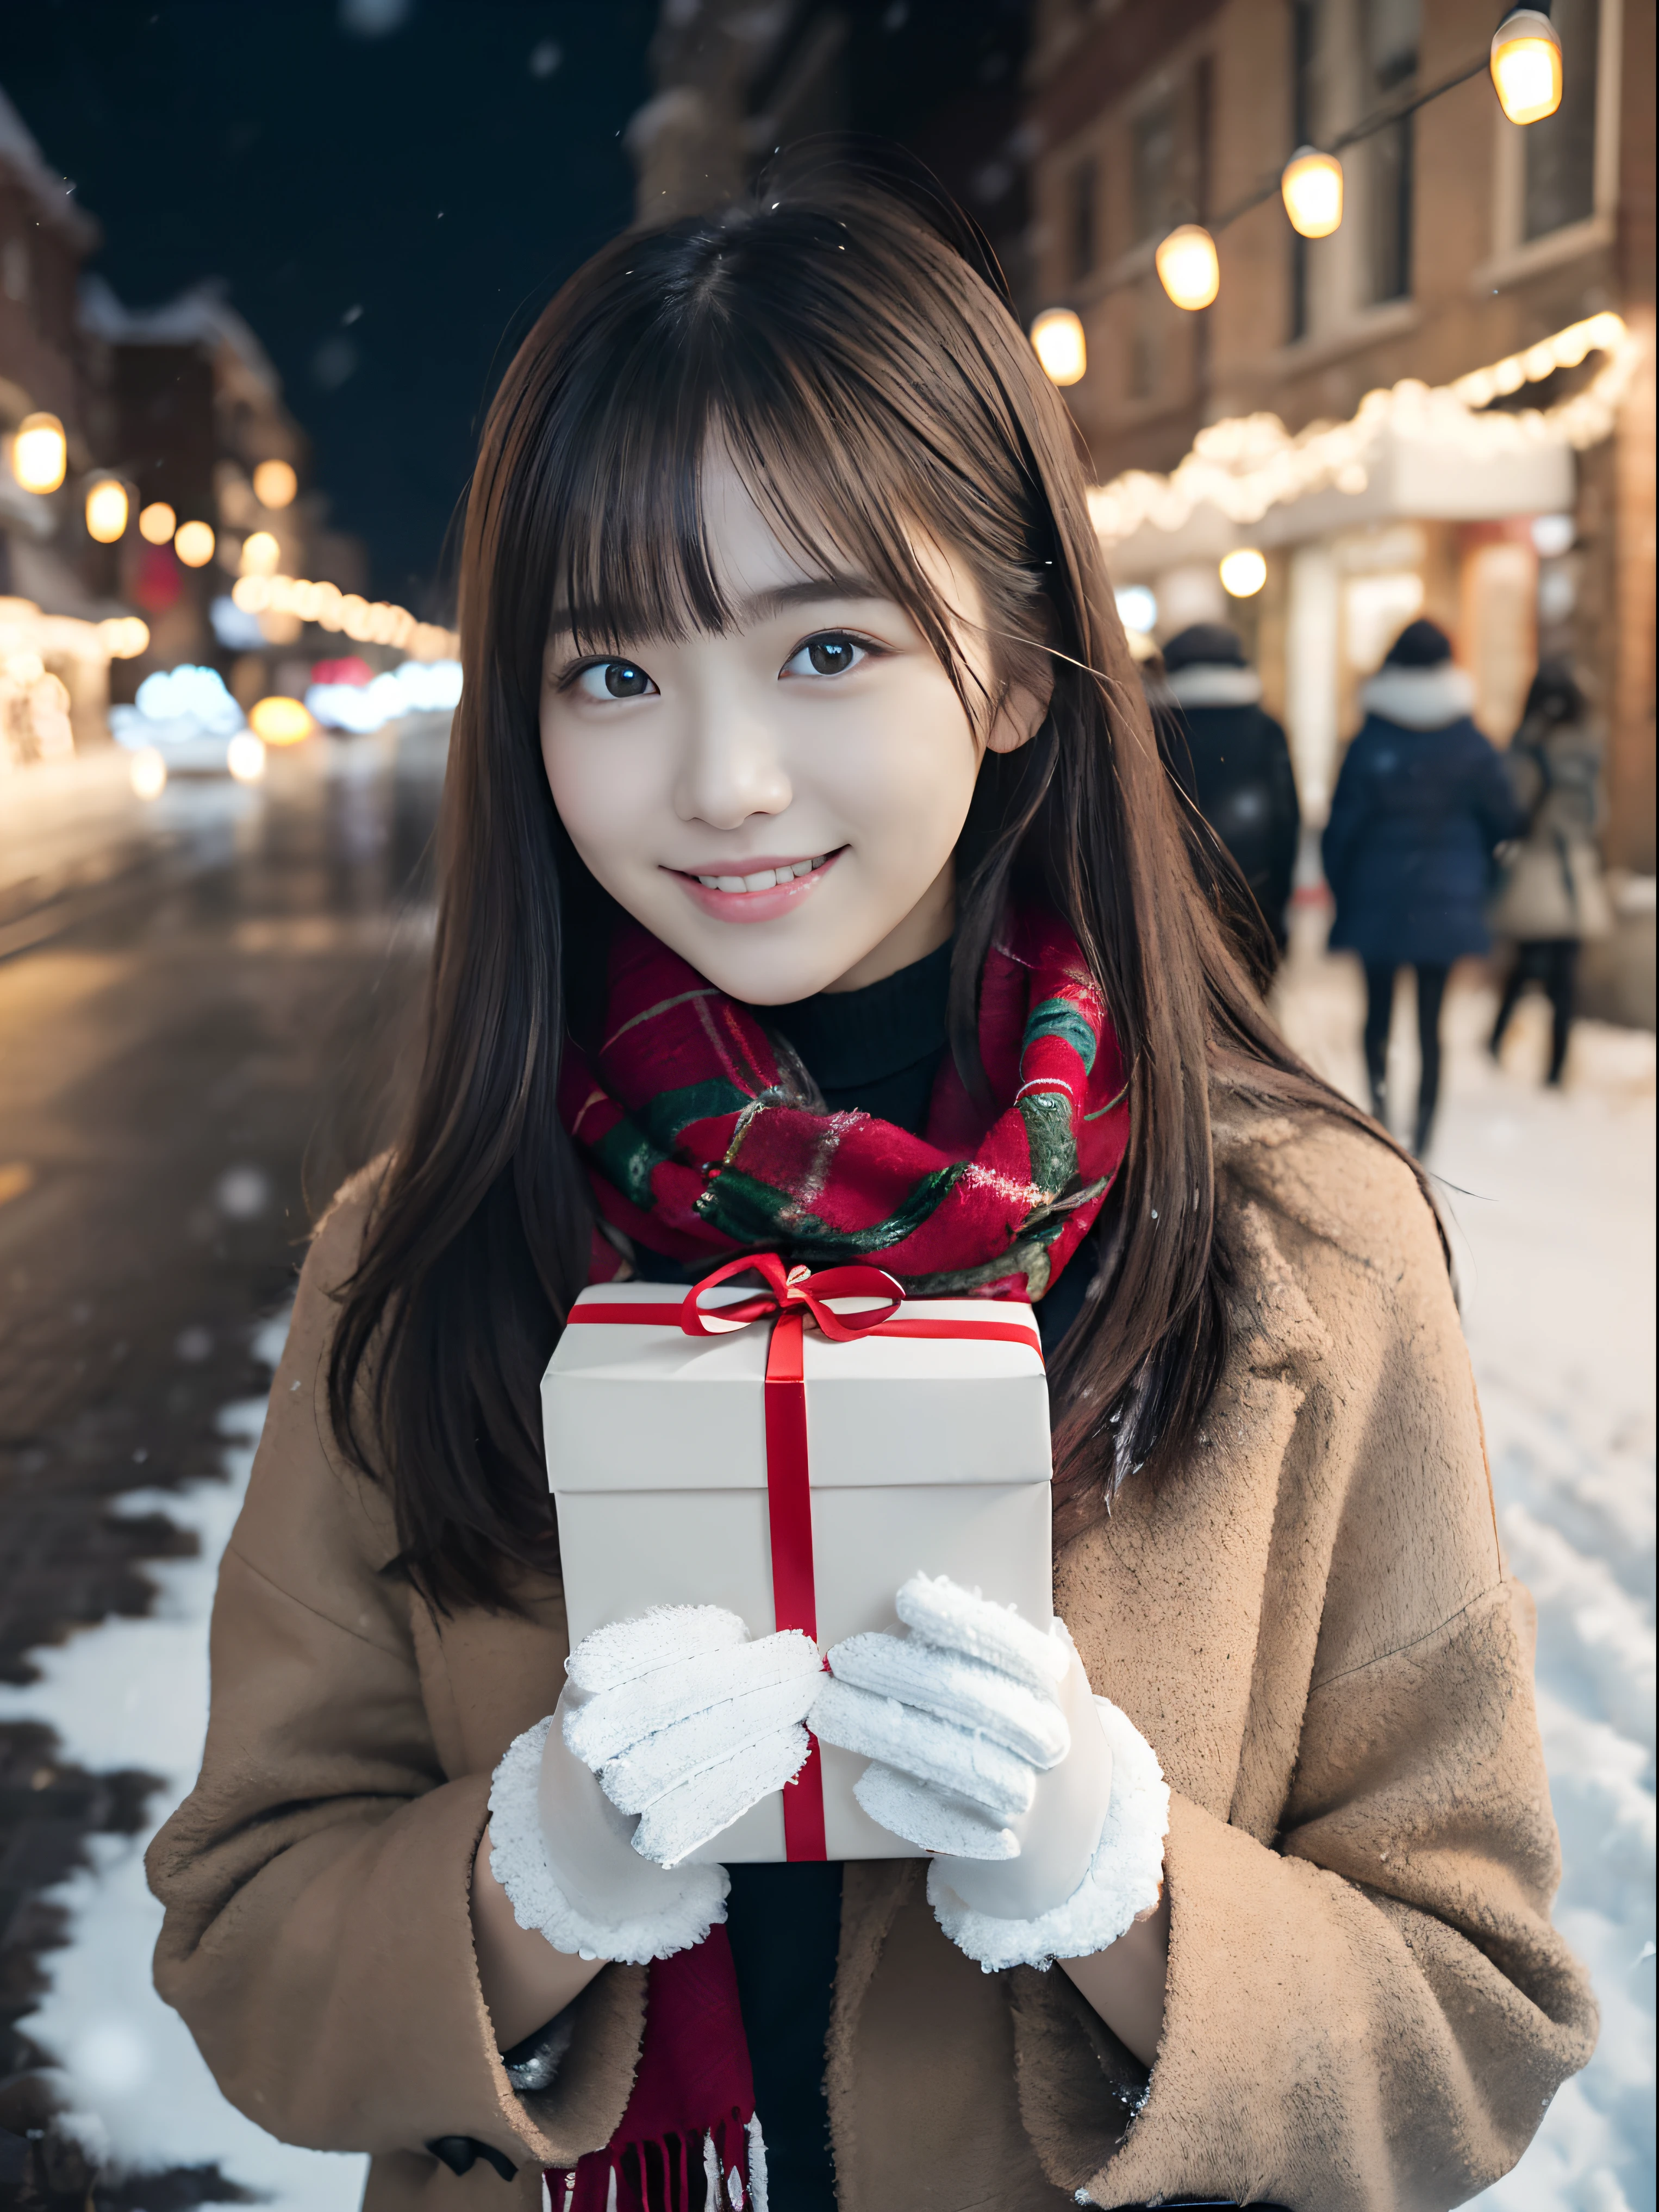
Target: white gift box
[925, 1450]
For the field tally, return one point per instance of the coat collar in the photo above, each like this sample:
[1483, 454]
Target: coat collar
[1420, 698]
[1214, 684]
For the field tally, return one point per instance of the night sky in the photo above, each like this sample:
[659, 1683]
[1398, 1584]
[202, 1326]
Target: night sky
[390, 191]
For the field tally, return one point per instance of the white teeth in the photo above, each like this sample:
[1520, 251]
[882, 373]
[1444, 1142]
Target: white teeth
[764, 879]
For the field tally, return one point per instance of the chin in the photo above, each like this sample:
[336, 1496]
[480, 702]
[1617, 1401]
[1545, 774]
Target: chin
[761, 979]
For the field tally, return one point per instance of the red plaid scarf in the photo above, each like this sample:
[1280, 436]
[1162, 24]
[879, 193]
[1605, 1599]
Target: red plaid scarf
[700, 1144]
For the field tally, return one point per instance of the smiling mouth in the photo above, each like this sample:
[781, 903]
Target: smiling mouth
[760, 879]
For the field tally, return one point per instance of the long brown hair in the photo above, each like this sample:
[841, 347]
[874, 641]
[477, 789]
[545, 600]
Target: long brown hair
[849, 346]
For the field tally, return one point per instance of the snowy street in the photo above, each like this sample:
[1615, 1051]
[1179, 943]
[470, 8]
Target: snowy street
[1550, 1199]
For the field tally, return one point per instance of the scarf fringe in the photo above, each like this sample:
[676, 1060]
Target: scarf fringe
[658, 2176]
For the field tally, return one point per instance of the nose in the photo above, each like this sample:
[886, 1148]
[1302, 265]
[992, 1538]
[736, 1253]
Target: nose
[730, 769]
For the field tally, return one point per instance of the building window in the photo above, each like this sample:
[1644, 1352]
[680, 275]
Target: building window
[1084, 185]
[1560, 153]
[1154, 168]
[1389, 31]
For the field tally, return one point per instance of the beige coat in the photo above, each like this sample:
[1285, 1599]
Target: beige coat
[1310, 1621]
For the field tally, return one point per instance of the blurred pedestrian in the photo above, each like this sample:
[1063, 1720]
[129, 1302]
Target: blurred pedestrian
[1421, 805]
[1553, 897]
[1235, 764]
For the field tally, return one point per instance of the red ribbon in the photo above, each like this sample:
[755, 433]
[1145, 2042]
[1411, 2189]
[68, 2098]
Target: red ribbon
[791, 1296]
[795, 1292]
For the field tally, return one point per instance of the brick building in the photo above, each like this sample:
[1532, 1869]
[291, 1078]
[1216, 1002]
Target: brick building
[1466, 244]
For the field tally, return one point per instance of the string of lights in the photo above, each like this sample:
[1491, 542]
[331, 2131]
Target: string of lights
[1249, 463]
[1524, 62]
[363, 621]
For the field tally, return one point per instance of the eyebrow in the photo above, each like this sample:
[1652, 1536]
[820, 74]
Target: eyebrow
[810, 590]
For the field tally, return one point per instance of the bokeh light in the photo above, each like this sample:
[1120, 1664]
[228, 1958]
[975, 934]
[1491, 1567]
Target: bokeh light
[1137, 609]
[281, 721]
[149, 772]
[275, 484]
[194, 543]
[1312, 188]
[1243, 571]
[1057, 335]
[1187, 267]
[124, 637]
[156, 522]
[261, 555]
[39, 453]
[108, 507]
[245, 756]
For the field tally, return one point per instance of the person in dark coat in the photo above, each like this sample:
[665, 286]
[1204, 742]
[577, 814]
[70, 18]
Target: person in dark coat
[1421, 805]
[1231, 758]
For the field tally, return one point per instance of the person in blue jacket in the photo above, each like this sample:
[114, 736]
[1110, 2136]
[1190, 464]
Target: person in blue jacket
[1421, 806]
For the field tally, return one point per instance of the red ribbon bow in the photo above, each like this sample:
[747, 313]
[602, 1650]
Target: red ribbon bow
[797, 1292]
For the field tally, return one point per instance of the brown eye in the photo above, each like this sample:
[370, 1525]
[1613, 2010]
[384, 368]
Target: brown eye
[614, 679]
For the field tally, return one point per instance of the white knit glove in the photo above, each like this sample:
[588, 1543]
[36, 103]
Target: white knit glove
[1044, 1806]
[669, 1727]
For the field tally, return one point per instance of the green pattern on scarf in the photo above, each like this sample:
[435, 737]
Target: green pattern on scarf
[1059, 1018]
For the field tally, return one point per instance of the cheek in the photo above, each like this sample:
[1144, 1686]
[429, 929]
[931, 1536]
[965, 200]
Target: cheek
[904, 778]
[596, 806]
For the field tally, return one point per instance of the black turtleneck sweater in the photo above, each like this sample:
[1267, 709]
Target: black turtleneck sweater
[878, 1050]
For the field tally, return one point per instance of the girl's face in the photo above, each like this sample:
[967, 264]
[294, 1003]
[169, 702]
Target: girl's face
[779, 804]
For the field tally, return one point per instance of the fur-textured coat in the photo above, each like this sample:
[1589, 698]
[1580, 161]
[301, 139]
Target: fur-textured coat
[1310, 1620]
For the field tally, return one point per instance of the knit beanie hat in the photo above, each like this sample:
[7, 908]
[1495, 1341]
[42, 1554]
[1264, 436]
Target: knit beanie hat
[1212, 644]
[1421, 644]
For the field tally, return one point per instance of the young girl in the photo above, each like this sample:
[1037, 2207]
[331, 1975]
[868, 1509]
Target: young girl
[811, 886]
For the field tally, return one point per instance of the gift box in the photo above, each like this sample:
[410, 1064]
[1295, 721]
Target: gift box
[794, 1455]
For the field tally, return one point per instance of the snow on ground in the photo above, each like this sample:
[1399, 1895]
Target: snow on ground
[133, 1693]
[1549, 1197]
[1550, 1202]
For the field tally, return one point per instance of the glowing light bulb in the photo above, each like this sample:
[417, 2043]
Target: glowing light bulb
[245, 756]
[194, 543]
[1244, 573]
[1526, 66]
[275, 484]
[1188, 267]
[1312, 186]
[39, 453]
[106, 510]
[281, 721]
[149, 772]
[1057, 335]
[156, 522]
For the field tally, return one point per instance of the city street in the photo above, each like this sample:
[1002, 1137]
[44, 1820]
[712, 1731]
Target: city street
[191, 1045]
[187, 1068]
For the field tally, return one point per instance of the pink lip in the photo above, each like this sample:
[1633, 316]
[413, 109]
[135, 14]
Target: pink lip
[753, 906]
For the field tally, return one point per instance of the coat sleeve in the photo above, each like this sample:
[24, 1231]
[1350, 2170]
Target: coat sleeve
[1347, 818]
[1287, 814]
[1368, 2009]
[317, 1937]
